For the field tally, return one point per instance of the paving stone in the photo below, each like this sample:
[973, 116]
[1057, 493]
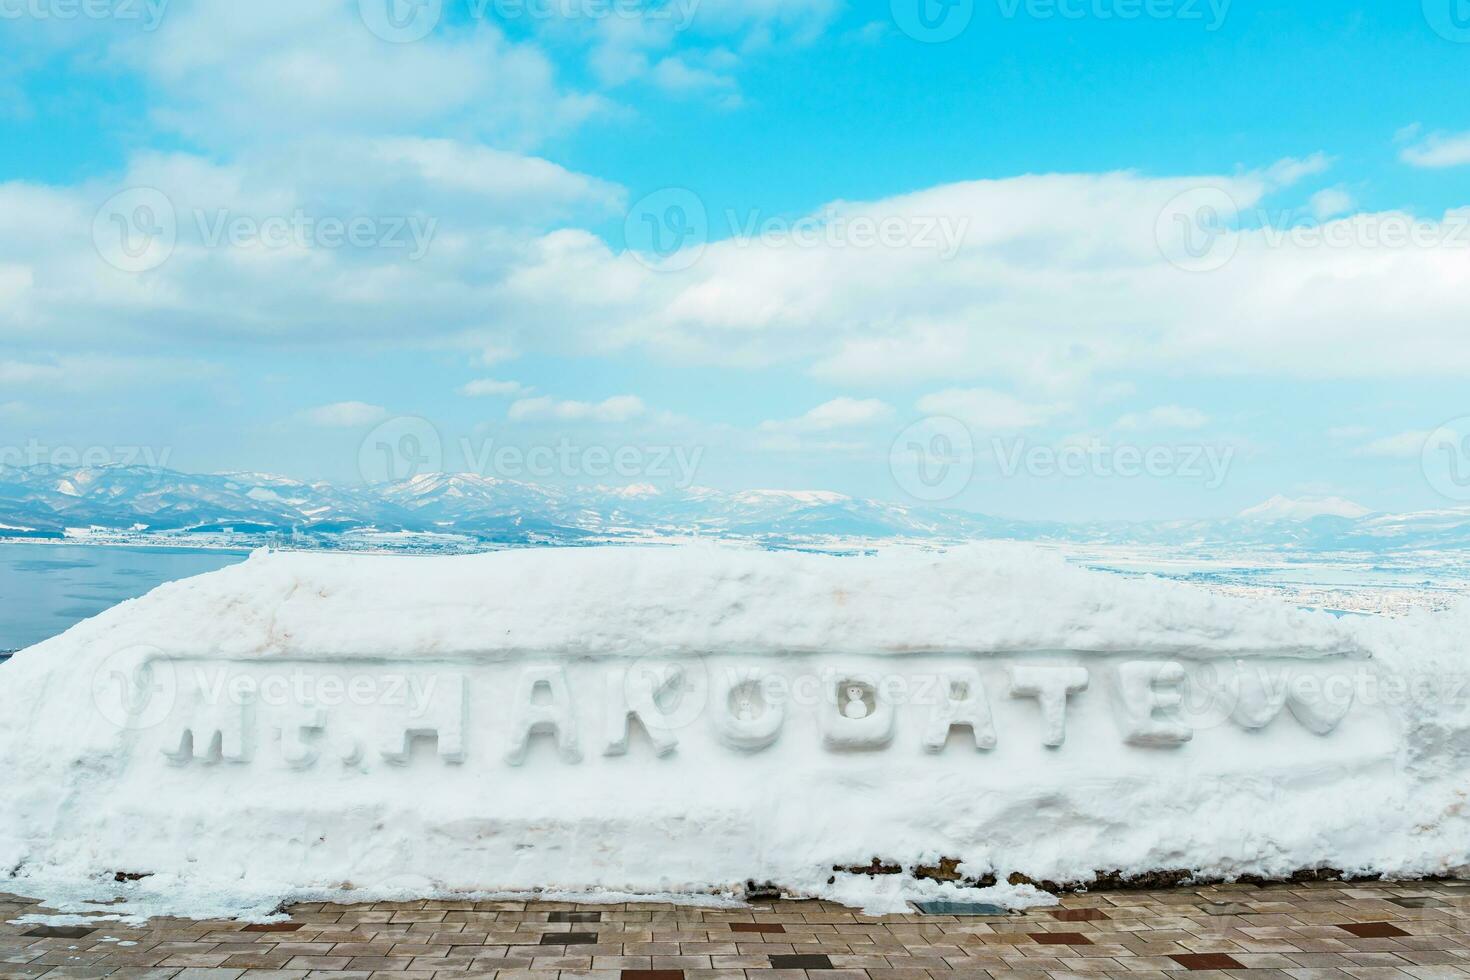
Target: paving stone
[1207, 961]
[1373, 930]
[801, 961]
[1312, 931]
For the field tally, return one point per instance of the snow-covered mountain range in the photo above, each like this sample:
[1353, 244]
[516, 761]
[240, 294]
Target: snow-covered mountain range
[459, 510]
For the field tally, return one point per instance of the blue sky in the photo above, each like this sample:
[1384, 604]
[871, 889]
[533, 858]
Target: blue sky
[1086, 230]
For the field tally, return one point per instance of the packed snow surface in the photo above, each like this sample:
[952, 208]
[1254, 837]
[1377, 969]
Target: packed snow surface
[682, 721]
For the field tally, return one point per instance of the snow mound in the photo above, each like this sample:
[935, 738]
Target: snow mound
[685, 721]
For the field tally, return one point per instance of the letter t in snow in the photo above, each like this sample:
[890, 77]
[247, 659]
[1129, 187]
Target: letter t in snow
[1050, 686]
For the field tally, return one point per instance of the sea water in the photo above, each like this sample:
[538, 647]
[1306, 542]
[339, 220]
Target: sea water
[45, 589]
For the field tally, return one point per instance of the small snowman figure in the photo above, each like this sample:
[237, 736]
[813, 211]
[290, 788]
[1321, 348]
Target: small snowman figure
[745, 709]
[855, 708]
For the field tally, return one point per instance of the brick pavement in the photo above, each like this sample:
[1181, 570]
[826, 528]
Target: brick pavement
[1305, 931]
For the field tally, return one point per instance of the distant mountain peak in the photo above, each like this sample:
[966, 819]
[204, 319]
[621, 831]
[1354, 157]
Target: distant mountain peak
[795, 496]
[1283, 508]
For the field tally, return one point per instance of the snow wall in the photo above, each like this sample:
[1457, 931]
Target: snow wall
[688, 719]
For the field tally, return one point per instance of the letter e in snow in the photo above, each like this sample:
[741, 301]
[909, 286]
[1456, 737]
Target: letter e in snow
[1149, 690]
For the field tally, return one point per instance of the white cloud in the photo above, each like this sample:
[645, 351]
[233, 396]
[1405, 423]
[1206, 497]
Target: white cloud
[344, 415]
[447, 243]
[1405, 445]
[494, 355]
[839, 413]
[15, 373]
[1331, 202]
[1408, 133]
[620, 408]
[696, 46]
[490, 388]
[675, 74]
[238, 72]
[1439, 150]
[87, 372]
[983, 408]
[1289, 171]
[1060, 279]
[1164, 417]
[1058, 284]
